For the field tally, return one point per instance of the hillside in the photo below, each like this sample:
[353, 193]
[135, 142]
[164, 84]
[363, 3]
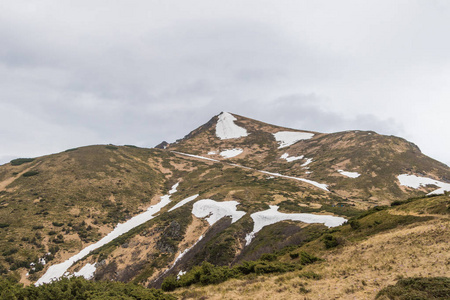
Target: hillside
[231, 191]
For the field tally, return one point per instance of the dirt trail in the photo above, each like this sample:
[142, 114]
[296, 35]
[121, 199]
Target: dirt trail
[10, 180]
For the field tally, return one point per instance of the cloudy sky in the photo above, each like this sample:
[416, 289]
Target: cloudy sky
[75, 73]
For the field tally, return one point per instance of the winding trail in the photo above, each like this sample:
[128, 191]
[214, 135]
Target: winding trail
[321, 186]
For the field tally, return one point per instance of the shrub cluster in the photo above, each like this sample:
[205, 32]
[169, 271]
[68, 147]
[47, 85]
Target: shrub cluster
[20, 161]
[208, 273]
[30, 173]
[78, 288]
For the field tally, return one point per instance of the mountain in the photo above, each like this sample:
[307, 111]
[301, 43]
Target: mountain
[233, 190]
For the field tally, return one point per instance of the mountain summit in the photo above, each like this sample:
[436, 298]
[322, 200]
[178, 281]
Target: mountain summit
[233, 190]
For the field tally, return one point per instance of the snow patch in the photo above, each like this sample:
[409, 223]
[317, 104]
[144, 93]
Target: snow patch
[226, 129]
[288, 138]
[272, 216]
[54, 272]
[214, 211]
[87, 271]
[349, 174]
[231, 153]
[212, 152]
[181, 273]
[183, 202]
[307, 162]
[174, 188]
[415, 182]
[291, 158]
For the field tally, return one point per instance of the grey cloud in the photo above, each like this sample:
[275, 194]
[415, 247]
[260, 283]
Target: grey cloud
[110, 72]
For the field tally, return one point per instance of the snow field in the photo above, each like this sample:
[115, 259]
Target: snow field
[213, 211]
[231, 153]
[272, 216]
[291, 158]
[87, 271]
[349, 174]
[288, 138]
[416, 182]
[226, 129]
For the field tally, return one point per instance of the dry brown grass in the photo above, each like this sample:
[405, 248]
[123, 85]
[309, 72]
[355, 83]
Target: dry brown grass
[356, 271]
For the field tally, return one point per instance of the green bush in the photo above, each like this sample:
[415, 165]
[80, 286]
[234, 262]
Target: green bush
[20, 161]
[78, 288]
[30, 173]
[330, 241]
[354, 224]
[4, 225]
[208, 273]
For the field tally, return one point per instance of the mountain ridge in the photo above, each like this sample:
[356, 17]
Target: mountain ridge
[75, 198]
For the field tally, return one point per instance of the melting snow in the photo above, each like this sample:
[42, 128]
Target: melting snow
[272, 216]
[87, 271]
[291, 158]
[184, 252]
[288, 138]
[231, 153]
[319, 185]
[196, 156]
[58, 270]
[226, 129]
[322, 186]
[183, 202]
[174, 188]
[307, 162]
[214, 211]
[181, 273]
[349, 174]
[415, 182]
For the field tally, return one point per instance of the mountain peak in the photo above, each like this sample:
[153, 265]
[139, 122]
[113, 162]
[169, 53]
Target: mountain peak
[227, 129]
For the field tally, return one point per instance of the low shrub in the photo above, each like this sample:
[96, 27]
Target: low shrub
[20, 161]
[330, 241]
[78, 288]
[208, 273]
[30, 173]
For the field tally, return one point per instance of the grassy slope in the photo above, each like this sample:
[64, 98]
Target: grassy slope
[367, 261]
[74, 199]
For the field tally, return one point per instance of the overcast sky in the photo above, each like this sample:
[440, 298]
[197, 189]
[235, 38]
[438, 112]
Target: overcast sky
[75, 73]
